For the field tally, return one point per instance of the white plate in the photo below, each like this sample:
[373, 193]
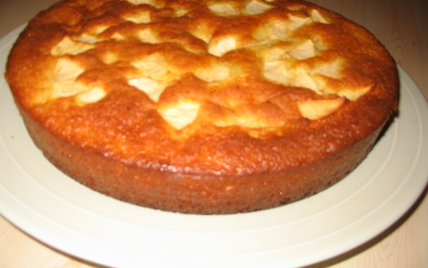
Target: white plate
[58, 211]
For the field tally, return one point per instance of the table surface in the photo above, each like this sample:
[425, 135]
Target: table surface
[401, 25]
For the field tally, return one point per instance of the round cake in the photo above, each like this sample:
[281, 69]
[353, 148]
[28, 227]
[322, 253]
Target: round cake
[205, 107]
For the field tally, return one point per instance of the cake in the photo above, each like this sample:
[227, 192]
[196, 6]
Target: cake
[203, 107]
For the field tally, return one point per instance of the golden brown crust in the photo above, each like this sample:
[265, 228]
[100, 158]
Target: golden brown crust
[165, 189]
[202, 107]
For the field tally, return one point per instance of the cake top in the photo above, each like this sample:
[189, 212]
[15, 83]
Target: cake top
[196, 68]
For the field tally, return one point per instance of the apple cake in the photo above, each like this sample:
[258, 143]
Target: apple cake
[205, 107]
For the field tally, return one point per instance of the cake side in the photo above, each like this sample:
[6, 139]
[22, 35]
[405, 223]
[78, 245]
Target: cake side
[192, 193]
